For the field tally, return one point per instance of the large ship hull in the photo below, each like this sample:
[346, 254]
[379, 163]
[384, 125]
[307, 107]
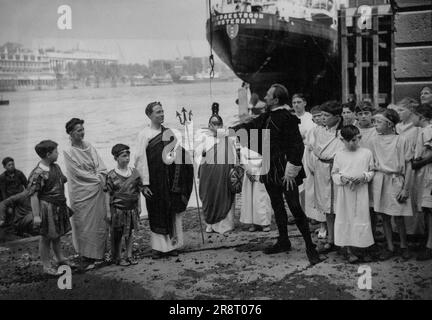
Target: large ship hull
[262, 49]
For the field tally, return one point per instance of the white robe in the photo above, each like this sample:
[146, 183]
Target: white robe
[353, 224]
[256, 206]
[309, 163]
[325, 145]
[159, 242]
[415, 224]
[391, 156]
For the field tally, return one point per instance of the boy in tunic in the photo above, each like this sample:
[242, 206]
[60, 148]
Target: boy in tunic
[364, 111]
[422, 165]
[48, 202]
[326, 142]
[392, 180]
[123, 186]
[309, 160]
[409, 130]
[352, 171]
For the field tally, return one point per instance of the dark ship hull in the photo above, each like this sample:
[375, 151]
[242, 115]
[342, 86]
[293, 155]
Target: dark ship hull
[263, 49]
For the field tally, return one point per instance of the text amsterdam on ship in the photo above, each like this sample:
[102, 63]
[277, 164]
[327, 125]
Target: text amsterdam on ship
[293, 42]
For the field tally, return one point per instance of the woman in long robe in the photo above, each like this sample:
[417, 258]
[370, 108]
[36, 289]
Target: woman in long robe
[86, 175]
[218, 158]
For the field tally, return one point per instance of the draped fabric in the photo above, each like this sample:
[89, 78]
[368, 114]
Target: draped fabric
[326, 143]
[214, 190]
[171, 184]
[391, 153]
[414, 225]
[86, 174]
[256, 206]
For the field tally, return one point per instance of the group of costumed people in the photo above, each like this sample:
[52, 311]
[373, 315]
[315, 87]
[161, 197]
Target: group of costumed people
[367, 165]
[352, 171]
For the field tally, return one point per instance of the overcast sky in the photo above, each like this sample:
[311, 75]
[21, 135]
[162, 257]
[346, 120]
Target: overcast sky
[135, 30]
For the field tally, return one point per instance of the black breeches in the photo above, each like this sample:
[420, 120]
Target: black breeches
[277, 194]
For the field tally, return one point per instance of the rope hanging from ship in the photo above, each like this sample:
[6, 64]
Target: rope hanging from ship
[211, 57]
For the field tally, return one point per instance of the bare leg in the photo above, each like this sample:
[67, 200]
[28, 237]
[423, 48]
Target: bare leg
[116, 246]
[57, 250]
[400, 223]
[44, 251]
[330, 227]
[388, 231]
[373, 218]
[128, 242]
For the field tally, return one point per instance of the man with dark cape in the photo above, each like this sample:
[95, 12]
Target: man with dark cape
[283, 171]
[167, 175]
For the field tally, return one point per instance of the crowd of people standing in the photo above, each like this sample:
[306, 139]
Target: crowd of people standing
[345, 166]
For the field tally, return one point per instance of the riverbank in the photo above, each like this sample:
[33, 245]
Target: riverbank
[225, 267]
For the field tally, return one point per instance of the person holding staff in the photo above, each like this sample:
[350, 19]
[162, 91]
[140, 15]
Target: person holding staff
[167, 182]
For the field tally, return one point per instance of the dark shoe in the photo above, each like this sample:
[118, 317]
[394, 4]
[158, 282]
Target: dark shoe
[386, 254]
[426, 254]
[313, 256]
[173, 253]
[278, 247]
[406, 254]
[291, 220]
[158, 255]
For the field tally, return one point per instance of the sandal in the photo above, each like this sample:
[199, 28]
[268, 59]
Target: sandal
[322, 234]
[327, 248]
[124, 263]
[252, 229]
[50, 271]
[67, 262]
[352, 258]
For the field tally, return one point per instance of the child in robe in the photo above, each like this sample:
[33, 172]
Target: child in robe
[48, 202]
[409, 130]
[309, 160]
[364, 113]
[256, 209]
[348, 113]
[123, 186]
[351, 173]
[422, 165]
[326, 143]
[392, 181]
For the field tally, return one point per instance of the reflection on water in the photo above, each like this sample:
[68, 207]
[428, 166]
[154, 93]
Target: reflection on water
[112, 115]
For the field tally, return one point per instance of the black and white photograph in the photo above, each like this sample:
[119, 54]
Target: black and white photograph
[215, 155]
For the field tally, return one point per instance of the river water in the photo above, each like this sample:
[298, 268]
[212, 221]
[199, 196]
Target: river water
[112, 115]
